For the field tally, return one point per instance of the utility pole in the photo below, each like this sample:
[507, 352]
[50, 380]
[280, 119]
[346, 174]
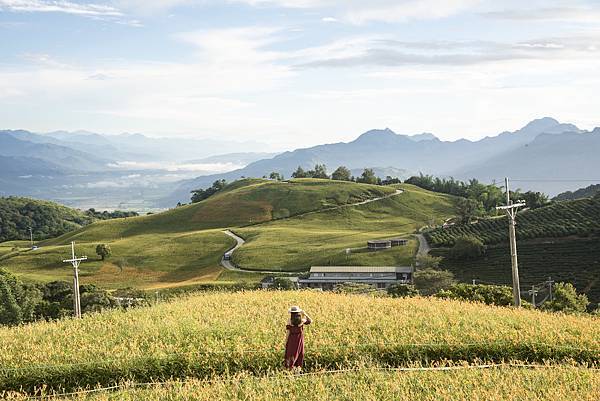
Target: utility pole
[511, 212]
[30, 237]
[550, 282]
[75, 262]
[533, 292]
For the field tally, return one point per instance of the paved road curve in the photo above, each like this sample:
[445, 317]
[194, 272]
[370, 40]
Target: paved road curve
[226, 263]
[424, 247]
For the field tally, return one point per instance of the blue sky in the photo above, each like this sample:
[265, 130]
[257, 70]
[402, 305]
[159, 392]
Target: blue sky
[297, 72]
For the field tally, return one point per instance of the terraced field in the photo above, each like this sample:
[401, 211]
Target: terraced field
[561, 219]
[572, 260]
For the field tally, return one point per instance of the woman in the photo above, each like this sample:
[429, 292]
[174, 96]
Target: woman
[294, 344]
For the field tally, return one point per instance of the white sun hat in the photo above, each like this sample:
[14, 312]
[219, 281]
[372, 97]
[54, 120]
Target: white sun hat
[295, 309]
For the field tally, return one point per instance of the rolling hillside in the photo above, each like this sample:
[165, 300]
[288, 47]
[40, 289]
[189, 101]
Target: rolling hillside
[184, 245]
[322, 238]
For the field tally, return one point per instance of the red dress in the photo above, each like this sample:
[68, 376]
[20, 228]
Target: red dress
[294, 347]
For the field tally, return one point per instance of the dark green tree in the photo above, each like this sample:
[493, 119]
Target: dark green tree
[275, 176]
[320, 171]
[17, 300]
[402, 291]
[467, 247]
[489, 294]
[428, 261]
[299, 173]
[566, 299]
[467, 210]
[341, 174]
[282, 283]
[103, 250]
[431, 281]
[368, 177]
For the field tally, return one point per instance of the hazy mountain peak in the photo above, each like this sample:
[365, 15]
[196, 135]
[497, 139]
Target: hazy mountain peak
[425, 136]
[377, 134]
[540, 124]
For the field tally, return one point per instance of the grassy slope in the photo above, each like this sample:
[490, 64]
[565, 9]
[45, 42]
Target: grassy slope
[184, 245]
[298, 243]
[505, 383]
[213, 333]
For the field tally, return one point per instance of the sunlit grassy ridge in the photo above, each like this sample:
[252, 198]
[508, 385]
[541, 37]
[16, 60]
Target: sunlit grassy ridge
[504, 383]
[212, 334]
[183, 246]
[322, 238]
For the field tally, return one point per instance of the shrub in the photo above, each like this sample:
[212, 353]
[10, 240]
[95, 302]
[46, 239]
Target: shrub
[17, 300]
[488, 294]
[467, 247]
[282, 283]
[566, 299]
[431, 281]
[358, 288]
[428, 261]
[402, 291]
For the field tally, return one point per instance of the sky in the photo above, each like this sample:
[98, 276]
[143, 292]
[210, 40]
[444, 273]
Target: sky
[295, 73]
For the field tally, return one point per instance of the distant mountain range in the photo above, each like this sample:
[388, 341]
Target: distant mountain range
[79, 167]
[543, 150]
[85, 169]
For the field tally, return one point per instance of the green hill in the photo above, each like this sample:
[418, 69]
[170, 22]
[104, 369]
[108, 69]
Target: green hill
[322, 238]
[47, 219]
[184, 245]
[587, 192]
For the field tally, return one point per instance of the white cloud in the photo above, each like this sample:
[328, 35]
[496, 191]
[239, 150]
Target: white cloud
[61, 6]
[353, 11]
[102, 12]
[565, 14]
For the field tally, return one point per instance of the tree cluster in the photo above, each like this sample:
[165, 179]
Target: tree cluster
[342, 173]
[201, 194]
[106, 215]
[481, 198]
[46, 219]
[24, 303]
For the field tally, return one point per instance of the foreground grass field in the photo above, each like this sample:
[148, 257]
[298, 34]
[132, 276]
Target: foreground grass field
[290, 226]
[502, 383]
[213, 334]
